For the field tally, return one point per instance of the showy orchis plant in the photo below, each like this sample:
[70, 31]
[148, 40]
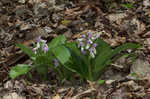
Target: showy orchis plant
[88, 56]
[91, 55]
[44, 55]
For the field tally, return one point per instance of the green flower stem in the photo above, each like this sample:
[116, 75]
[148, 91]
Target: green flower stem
[89, 68]
[60, 74]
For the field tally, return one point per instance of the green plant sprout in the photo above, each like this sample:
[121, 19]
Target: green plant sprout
[127, 5]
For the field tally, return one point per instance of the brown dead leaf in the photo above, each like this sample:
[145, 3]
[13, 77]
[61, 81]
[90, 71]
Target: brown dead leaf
[83, 94]
[56, 97]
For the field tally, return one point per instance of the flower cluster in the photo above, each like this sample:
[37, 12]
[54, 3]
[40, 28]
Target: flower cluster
[44, 46]
[86, 43]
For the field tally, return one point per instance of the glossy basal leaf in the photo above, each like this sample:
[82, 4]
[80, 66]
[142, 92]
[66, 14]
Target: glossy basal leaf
[42, 68]
[104, 51]
[44, 59]
[102, 45]
[125, 47]
[73, 47]
[57, 41]
[79, 61]
[78, 65]
[18, 70]
[100, 71]
[26, 50]
[105, 58]
[61, 53]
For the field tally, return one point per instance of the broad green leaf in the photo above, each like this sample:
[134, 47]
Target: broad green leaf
[79, 63]
[125, 47]
[57, 41]
[73, 46]
[102, 45]
[61, 53]
[44, 59]
[42, 69]
[101, 68]
[105, 58]
[27, 50]
[18, 70]
[104, 51]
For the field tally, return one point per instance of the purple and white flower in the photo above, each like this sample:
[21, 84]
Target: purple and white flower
[45, 48]
[94, 45]
[56, 62]
[92, 51]
[87, 46]
[83, 51]
[36, 48]
[38, 39]
[90, 35]
[86, 43]
[89, 41]
[83, 36]
[81, 44]
[40, 44]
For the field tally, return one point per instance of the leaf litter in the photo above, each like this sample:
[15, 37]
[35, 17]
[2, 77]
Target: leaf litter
[22, 21]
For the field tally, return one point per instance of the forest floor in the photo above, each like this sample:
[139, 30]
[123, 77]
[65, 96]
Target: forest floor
[22, 21]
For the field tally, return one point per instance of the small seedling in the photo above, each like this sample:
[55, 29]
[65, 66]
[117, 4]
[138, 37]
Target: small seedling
[100, 82]
[127, 5]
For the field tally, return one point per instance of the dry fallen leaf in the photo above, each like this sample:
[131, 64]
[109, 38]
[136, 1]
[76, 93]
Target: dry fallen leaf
[56, 97]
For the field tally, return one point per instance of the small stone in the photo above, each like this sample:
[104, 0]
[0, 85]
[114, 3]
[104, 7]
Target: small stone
[109, 82]
[141, 68]
[147, 41]
[13, 96]
[48, 29]
[22, 1]
[8, 85]
[146, 3]
[25, 26]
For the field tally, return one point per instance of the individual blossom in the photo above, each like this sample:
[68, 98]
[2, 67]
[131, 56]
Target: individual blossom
[94, 45]
[83, 36]
[45, 48]
[90, 35]
[83, 51]
[82, 48]
[44, 41]
[80, 44]
[36, 48]
[38, 39]
[56, 62]
[87, 46]
[97, 35]
[89, 41]
[92, 51]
